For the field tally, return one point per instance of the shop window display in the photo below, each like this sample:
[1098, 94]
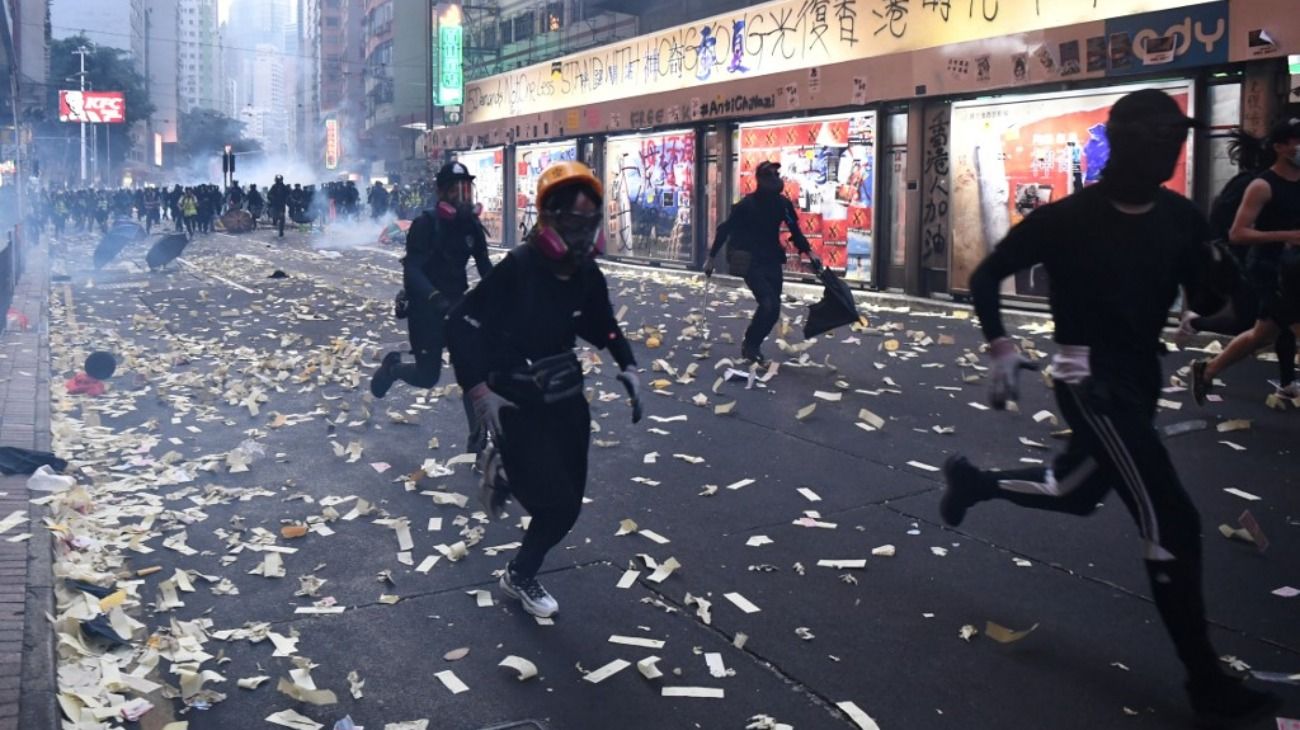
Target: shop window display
[489, 188]
[1012, 156]
[829, 168]
[649, 183]
[530, 162]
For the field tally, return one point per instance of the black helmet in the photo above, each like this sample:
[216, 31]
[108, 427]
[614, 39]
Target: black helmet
[279, 178]
[452, 172]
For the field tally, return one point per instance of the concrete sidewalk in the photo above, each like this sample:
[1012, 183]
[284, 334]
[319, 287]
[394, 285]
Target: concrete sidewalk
[27, 680]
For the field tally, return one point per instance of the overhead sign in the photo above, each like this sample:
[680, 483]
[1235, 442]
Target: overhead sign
[1182, 38]
[98, 107]
[451, 57]
[775, 37]
[332, 149]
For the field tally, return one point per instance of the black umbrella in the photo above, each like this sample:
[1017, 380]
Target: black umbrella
[166, 250]
[100, 365]
[835, 309]
[109, 247]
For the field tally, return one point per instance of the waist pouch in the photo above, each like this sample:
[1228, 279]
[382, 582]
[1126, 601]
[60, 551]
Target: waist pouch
[543, 382]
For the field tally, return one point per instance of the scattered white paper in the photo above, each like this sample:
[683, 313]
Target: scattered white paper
[855, 713]
[741, 602]
[707, 693]
[600, 675]
[451, 682]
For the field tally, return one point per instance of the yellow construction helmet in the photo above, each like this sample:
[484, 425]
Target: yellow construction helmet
[565, 173]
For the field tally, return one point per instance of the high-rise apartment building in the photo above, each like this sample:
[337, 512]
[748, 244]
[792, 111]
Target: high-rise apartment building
[198, 55]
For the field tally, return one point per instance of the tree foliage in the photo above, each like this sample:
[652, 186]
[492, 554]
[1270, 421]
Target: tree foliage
[204, 133]
[107, 69]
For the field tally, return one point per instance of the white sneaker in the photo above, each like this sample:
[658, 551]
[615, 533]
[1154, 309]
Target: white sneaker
[530, 594]
[1291, 391]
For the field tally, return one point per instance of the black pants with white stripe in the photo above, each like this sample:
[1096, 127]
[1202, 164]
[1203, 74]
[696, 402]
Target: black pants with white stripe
[1115, 446]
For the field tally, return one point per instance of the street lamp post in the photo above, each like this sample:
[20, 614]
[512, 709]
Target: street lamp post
[82, 51]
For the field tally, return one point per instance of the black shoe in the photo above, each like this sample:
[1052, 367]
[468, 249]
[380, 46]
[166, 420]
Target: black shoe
[963, 490]
[1201, 385]
[1228, 702]
[383, 378]
[754, 355]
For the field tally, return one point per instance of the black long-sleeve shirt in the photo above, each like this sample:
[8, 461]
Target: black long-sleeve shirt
[1114, 276]
[437, 253]
[755, 226]
[522, 313]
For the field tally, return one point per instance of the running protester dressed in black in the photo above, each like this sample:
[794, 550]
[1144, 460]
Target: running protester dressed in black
[512, 341]
[752, 232]
[1143, 242]
[439, 245]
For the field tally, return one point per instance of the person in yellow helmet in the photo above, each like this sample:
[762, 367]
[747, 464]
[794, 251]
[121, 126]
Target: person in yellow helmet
[511, 342]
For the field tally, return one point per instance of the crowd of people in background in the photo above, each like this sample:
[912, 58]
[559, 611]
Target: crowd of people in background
[195, 209]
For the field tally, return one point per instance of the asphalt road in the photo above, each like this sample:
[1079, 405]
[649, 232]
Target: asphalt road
[202, 339]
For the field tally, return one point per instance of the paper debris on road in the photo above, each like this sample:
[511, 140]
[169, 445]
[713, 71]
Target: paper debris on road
[703, 608]
[1041, 416]
[741, 484]
[717, 668]
[291, 719]
[603, 673]
[803, 413]
[1286, 592]
[843, 564]
[526, 669]
[884, 551]
[482, 598]
[1236, 424]
[1244, 495]
[758, 541]
[723, 409]
[871, 419]
[648, 669]
[967, 632]
[741, 602]
[456, 655]
[306, 692]
[664, 570]
[629, 579]
[451, 682]
[855, 713]
[922, 466]
[1003, 635]
[355, 685]
[809, 494]
[1233, 446]
[636, 641]
[707, 693]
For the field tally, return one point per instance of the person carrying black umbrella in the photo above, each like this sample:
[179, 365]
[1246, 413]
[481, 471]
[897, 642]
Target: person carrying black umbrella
[753, 230]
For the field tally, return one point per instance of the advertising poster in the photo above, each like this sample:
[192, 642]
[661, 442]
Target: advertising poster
[829, 168]
[1010, 157]
[489, 187]
[530, 162]
[649, 181]
[96, 107]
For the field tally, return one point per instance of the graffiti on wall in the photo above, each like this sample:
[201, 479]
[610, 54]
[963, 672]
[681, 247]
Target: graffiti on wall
[650, 181]
[783, 35]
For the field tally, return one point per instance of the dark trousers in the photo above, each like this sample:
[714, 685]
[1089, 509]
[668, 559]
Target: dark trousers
[1115, 446]
[425, 324]
[764, 281]
[544, 450]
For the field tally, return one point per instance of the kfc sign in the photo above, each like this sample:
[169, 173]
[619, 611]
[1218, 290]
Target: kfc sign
[106, 107]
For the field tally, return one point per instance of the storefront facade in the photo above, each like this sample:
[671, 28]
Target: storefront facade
[911, 135]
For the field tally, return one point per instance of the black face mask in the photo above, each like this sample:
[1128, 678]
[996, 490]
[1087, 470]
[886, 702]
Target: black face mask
[770, 184]
[1139, 165]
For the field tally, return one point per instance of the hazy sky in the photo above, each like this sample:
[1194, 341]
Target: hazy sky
[223, 9]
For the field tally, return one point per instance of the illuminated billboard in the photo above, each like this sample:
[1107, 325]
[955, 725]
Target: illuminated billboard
[97, 107]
